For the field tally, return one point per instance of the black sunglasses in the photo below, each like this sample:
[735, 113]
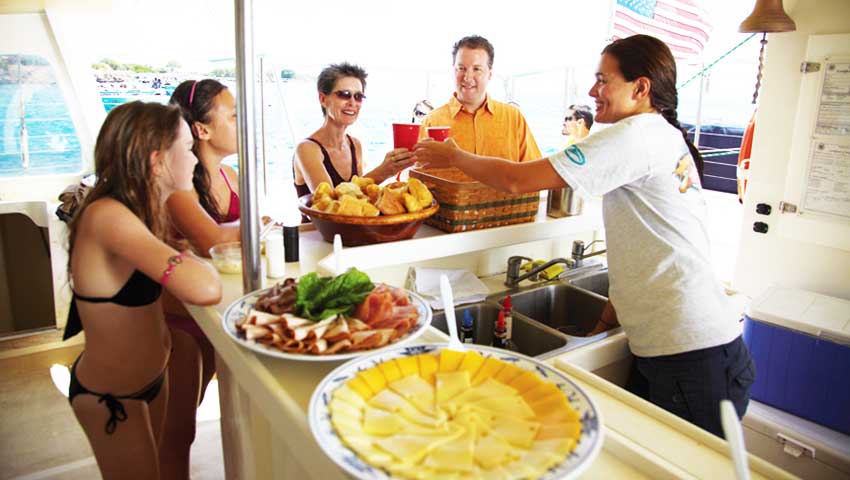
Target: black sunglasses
[568, 118]
[347, 94]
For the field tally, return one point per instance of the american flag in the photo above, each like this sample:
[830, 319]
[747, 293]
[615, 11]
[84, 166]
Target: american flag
[681, 24]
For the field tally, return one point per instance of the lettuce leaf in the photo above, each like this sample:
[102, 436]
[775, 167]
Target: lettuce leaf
[321, 297]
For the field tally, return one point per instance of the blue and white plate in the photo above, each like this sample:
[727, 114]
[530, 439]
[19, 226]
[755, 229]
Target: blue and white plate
[320, 418]
[238, 309]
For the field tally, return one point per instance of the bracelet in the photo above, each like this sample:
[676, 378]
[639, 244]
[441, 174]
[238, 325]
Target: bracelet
[172, 262]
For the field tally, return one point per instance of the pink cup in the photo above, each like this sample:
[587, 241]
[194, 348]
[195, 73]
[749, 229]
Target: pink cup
[439, 133]
[405, 135]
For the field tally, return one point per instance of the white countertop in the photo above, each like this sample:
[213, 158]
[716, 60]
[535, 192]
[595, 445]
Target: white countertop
[279, 390]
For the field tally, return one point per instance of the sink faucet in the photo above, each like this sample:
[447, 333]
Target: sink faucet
[513, 277]
[579, 248]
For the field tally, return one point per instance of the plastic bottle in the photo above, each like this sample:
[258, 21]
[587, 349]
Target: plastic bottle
[467, 330]
[500, 332]
[509, 320]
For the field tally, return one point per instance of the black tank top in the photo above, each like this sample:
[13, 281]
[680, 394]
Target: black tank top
[139, 290]
[336, 178]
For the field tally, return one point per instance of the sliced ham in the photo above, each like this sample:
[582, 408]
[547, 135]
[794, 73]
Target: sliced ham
[257, 317]
[315, 330]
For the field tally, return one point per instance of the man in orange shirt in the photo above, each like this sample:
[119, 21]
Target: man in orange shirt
[478, 123]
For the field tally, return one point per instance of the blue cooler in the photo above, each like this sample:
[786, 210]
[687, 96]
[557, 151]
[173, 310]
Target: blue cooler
[800, 344]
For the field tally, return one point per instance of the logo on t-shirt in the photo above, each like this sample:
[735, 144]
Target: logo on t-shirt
[575, 155]
[686, 173]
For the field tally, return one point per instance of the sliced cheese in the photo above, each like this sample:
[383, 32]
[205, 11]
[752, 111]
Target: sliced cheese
[450, 360]
[412, 448]
[390, 370]
[345, 410]
[488, 370]
[560, 430]
[471, 362]
[415, 390]
[555, 402]
[407, 366]
[492, 450]
[381, 422]
[360, 386]
[507, 373]
[428, 366]
[346, 394]
[388, 400]
[557, 446]
[513, 405]
[525, 381]
[541, 391]
[516, 431]
[374, 378]
[450, 384]
[456, 455]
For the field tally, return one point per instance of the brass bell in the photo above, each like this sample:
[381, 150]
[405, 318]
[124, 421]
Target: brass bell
[768, 16]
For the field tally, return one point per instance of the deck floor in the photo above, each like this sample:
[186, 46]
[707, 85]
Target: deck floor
[39, 436]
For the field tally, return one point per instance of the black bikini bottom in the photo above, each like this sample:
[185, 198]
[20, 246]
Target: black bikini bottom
[116, 408]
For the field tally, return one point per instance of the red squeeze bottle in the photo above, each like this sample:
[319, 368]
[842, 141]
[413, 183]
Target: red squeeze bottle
[508, 309]
[500, 332]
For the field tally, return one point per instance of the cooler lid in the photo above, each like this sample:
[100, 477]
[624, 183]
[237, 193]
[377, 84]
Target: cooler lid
[805, 311]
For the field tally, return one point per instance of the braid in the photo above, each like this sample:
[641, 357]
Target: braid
[672, 118]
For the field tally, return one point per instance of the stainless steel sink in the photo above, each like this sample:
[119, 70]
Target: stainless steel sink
[531, 338]
[595, 281]
[559, 305]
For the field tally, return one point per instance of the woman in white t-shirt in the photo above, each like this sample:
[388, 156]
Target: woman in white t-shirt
[681, 329]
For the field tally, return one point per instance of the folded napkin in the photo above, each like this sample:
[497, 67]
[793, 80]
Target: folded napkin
[466, 287]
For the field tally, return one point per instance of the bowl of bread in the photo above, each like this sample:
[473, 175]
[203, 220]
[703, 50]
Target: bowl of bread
[363, 213]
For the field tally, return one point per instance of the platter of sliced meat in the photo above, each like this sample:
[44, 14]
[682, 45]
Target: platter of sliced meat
[349, 317]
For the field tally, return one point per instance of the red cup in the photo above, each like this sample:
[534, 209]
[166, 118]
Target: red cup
[405, 135]
[439, 133]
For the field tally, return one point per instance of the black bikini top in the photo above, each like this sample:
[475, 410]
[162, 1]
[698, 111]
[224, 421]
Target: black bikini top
[139, 290]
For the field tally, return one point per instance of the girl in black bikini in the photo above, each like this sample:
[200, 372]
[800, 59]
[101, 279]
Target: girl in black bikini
[329, 154]
[119, 385]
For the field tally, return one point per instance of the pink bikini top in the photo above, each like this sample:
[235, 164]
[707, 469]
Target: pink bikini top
[233, 208]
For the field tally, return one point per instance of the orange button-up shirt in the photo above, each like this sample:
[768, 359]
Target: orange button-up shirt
[495, 130]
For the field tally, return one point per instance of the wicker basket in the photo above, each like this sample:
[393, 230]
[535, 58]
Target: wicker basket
[466, 204]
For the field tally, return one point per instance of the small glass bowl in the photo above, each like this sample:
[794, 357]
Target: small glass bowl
[227, 257]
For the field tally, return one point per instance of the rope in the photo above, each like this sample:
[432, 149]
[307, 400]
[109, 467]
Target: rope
[701, 72]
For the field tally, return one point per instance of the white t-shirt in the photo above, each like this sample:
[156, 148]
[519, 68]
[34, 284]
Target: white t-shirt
[663, 286]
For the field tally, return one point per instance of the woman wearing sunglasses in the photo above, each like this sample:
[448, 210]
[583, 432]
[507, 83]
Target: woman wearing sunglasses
[681, 329]
[331, 155]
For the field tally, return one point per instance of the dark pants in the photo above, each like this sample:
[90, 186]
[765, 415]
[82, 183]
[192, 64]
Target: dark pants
[692, 384]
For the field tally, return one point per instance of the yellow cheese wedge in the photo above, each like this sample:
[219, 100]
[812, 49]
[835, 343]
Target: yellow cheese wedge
[559, 415]
[488, 370]
[359, 442]
[542, 390]
[346, 427]
[407, 366]
[415, 390]
[496, 473]
[415, 415]
[381, 422]
[450, 360]
[492, 450]
[508, 373]
[374, 378]
[489, 389]
[555, 402]
[456, 455]
[561, 430]
[388, 400]
[428, 366]
[514, 406]
[346, 394]
[525, 381]
[361, 387]
[412, 448]
[390, 370]
[557, 446]
[516, 431]
[471, 362]
[343, 409]
[450, 384]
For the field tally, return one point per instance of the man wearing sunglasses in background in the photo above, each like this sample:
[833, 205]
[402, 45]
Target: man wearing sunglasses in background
[577, 123]
[330, 154]
[478, 123]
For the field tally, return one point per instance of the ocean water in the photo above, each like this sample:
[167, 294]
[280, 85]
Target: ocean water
[52, 138]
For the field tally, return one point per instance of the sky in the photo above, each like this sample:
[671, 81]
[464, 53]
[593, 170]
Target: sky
[379, 33]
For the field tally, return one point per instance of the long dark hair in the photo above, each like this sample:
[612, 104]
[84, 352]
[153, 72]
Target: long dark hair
[645, 56]
[196, 98]
[128, 137]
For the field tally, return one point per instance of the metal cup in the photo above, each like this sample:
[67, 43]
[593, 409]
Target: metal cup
[563, 202]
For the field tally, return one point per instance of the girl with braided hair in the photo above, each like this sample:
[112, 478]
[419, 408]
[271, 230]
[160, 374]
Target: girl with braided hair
[684, 335]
